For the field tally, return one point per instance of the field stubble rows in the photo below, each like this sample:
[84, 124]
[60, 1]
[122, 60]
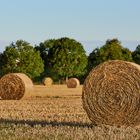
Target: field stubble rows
[57, 117]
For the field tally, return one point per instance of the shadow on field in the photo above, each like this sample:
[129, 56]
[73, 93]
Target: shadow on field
[45, 123]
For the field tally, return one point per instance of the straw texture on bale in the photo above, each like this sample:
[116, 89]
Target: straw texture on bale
[73, 83]
[15, 86]
[111, 94]
[47, 81]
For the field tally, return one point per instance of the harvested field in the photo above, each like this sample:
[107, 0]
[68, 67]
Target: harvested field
[56, 90]
[54, 117]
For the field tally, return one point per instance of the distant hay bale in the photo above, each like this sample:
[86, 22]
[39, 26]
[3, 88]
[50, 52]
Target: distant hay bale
[73, 83]
[15, 86]
[111, 94]
[47, 81]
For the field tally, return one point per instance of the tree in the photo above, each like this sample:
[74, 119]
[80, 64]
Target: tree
[21, 57]
[136, 55]
[64, 57]
[43, 48]
[94, 58]
[112, 50]
[127, 54]
[1, 64]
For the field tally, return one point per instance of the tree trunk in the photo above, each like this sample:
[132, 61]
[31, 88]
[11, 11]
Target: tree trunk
[66, 79]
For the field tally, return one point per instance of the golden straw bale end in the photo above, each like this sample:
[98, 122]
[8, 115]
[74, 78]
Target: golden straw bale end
[73, 83]
[47, 81]
[111, 94]
[15, 86]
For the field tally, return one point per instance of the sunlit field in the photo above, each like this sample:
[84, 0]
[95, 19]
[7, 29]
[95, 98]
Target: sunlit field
[59, 117]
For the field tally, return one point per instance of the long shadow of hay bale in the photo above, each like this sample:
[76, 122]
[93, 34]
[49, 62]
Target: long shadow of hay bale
[45, 123]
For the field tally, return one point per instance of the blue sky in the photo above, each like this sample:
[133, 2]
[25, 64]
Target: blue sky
[84, 20]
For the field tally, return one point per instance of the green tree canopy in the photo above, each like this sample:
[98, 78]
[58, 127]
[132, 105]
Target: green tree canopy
[94, 58]
[112, 50]
[21, 57]
[64, 57]
[43, 48]
[136, 55]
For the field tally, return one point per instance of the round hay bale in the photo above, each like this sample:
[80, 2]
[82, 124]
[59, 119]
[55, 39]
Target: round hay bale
[15, 86]
[73, 83]
[111, 94]
[47, 81]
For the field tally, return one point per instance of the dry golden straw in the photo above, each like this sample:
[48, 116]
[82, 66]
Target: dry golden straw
[15, 86]
[73, 83]
[47, 81]
[111, 94]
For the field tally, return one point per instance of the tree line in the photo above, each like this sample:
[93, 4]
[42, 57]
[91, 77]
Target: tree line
[60, 58]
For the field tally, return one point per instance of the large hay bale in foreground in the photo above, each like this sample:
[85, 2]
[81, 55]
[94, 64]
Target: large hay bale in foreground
[111, 94]
[47, 81]
[15, 86]
[73, 83]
